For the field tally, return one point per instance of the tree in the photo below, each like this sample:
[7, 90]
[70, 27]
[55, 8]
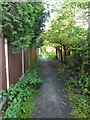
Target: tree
[22, 23]
[66, 31]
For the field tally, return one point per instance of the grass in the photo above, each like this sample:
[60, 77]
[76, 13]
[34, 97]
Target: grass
[27, 108]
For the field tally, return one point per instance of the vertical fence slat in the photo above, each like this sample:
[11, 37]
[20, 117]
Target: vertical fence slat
[23, 60]
[1, 62]
[14, 62]
[6, 61]
[3, 84]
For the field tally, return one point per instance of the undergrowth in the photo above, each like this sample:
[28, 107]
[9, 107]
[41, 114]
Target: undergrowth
[48, 55]
[26, 108]
[20, 95]
[78, 93]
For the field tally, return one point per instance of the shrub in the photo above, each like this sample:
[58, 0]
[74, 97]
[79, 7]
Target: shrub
[21, 92]
[78, 92]
[50, 55]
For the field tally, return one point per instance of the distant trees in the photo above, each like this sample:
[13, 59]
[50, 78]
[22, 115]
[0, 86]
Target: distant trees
[69, 35]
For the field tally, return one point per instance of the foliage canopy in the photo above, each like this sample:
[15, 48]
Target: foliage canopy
[22, 22]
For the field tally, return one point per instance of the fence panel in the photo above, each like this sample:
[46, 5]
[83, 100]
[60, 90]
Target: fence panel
[32, 55]
[34, 52]
[15, 66]
[14, 63]
[27, 59]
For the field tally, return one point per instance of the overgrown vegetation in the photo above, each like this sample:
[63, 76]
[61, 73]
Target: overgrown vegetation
[27, 108]
[48, 55]
[77, 88]
[47, 51]
[78, 92]
[20, 95]
[22, 23]
[69, 33]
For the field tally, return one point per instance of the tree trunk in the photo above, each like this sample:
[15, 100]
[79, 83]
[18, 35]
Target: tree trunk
[65, 53]
[56, 53]
[61, 54]
[68, 53]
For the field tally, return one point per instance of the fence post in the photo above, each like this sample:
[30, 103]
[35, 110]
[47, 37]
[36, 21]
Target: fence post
[39, 51]
[7, 63]
[23, 71]
[1, 47]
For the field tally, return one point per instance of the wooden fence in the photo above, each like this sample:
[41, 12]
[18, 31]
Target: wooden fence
[3, 84]
[14, 66]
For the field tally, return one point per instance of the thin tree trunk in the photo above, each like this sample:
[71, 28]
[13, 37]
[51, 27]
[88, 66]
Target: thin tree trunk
[68, 53]
[61, 54]
[56, 53]
[65, 53]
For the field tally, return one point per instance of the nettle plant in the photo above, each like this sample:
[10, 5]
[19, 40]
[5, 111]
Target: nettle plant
[22, 22]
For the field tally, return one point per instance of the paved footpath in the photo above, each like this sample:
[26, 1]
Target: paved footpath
[50, 102]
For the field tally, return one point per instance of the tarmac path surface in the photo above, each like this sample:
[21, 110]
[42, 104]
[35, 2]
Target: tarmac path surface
[51, 101]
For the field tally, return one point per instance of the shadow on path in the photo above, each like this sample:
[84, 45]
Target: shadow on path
[50, 103]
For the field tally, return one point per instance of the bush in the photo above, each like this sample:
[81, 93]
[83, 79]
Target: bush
[74, 61]
[21, 92]
[78, 92]
[50, 55]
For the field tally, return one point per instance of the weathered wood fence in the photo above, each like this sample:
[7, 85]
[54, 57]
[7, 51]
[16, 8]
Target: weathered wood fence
[14, 66]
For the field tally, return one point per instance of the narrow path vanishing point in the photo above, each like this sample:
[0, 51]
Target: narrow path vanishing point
[50, 102]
